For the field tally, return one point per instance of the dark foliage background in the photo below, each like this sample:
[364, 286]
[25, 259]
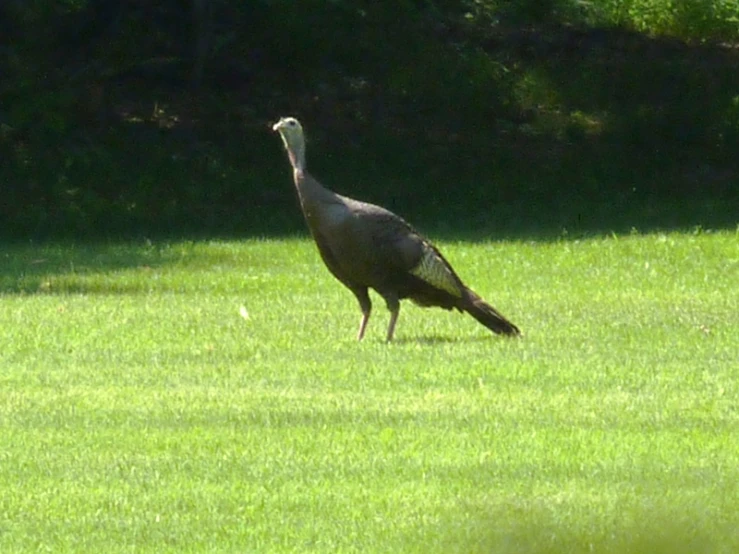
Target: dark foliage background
[474, 117]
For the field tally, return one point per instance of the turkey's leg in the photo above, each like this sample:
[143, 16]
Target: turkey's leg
[391, 325]
[366, 306]
[393, 304]
[363, 324]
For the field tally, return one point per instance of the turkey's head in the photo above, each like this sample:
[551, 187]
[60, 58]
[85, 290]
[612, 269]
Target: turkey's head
[292, 137]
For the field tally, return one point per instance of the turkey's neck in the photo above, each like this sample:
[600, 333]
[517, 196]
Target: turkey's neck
[296, 153]
[313, 196]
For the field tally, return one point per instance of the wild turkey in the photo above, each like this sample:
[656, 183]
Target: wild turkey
[366, 246]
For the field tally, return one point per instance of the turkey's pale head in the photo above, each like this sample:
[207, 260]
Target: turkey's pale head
[292, 137]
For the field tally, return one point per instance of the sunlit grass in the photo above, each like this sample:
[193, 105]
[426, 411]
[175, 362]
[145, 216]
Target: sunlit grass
[142, 409]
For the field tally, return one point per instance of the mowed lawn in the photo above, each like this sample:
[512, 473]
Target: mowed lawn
[211, 397]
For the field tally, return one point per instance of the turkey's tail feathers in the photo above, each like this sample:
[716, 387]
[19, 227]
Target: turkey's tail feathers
[489, 316]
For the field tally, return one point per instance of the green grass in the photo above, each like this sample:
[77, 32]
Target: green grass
[140, 412]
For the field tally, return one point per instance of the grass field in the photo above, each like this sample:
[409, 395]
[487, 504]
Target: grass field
[142, 410]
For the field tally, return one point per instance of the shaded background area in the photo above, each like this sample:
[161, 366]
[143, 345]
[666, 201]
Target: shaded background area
[470, 118]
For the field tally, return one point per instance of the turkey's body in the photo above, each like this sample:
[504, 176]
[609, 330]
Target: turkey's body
[366, 246]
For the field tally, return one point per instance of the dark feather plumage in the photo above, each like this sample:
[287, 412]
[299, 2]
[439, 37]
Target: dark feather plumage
[366, 246]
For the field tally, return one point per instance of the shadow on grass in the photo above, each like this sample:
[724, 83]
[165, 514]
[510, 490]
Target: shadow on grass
[629, 530]
[431, 339]
[31, 269]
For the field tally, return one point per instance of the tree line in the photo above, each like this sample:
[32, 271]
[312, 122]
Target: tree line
[127, 114]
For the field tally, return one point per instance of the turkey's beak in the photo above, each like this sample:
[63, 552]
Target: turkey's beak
[277, 126]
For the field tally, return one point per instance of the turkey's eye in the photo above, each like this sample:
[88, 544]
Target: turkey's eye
[292, 123]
